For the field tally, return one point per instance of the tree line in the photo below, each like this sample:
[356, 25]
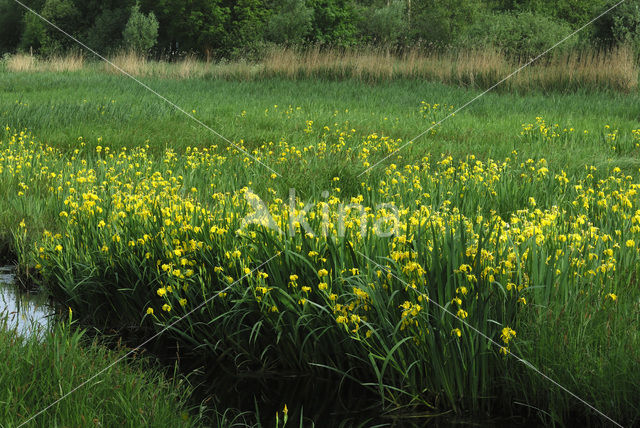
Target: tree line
[245, 28]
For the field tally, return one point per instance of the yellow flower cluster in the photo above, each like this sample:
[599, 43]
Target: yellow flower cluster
[542, 132]
[176, 221]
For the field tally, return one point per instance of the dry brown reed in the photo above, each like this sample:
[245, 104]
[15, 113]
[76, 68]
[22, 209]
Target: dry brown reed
[30, 63]
[614, 69]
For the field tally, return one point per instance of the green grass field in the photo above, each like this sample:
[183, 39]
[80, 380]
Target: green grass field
[518, 215]
[61, 107]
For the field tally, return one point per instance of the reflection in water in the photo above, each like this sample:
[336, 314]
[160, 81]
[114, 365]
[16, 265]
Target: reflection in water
[26, 312]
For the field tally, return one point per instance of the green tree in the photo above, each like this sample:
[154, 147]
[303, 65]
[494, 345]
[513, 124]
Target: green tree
[245, 27]
[333, 22]
[11, 25]
[575, 12]
[618, 26]
[621, 25]
[191, 25]
[519, 34]
[141, 32]
[289, 22]
[385, 23]
[105, 22]
[442, 21]
[33, 34]
[625, 26]
[45, 38]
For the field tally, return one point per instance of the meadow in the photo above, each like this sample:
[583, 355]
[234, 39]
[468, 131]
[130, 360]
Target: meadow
[516, 231]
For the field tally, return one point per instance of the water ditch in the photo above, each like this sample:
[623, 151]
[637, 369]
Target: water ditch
[29, 312]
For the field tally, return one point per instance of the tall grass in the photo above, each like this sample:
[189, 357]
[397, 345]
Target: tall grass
[21, 63]
[614, 69]
[588, 69]
[40, 369]
[59, 63]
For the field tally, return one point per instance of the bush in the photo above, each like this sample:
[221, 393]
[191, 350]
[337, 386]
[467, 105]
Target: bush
[34, 33]
[441, 22]
[333, 22]
[384, 25]
[106, 33]
[141, 32]
[291, 23]
[45, 38]
[521, 35]
[625, 26]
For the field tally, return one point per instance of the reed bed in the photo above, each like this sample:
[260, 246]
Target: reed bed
[30, 63]
[614, 69]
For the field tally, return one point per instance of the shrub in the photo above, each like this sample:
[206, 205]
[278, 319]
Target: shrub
[64, 15]
[441, 22]
[333, 22]
[141, 32]
[625, 26]
[45, 38]
[291, 23]
[106, 33]
[34, 33]
[384, 25]
[519, 35]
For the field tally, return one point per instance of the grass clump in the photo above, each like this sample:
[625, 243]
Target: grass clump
[58, 63]
[40, 369]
